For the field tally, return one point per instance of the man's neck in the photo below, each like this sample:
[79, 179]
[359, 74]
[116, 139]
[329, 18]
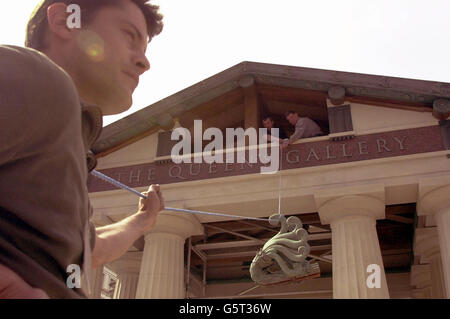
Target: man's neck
[59, 58]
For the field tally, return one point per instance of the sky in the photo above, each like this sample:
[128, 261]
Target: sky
[400, 38]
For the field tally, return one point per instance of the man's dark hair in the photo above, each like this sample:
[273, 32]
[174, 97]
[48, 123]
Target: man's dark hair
[289, 112]
[37, 25]
[265, 117]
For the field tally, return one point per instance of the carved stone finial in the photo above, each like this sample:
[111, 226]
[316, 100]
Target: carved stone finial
[246, 81]
[336, 95]
[441, 109]
[165, 120]
[176, 123]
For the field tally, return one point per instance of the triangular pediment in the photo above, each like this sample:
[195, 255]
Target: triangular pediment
[219, 100]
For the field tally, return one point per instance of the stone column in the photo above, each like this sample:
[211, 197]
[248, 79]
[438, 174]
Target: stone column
[421, 280]
[97, 282]
[352, 214]
[127, 269]
[162, 267]
[434, 199]
[110, 277]
[426, 244]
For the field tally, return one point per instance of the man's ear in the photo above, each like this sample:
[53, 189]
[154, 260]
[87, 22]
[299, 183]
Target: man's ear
[57, 20]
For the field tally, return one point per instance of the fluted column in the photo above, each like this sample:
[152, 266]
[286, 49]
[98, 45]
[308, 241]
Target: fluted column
[162, 267]
[426, 244]
[127, 269]
[96, 282]
[352, 214]
[434, 199]
[421, 280]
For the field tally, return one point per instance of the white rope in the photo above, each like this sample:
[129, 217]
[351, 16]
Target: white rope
[279, 190]
[123, 186]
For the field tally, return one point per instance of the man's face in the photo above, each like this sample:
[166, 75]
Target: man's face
[292, 118]
[110, 56]
[268, 123]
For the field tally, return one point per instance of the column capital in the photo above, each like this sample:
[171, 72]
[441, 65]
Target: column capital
[426, 243]
[434, 195]
[366, 200]
[129, 262]
[177, 223]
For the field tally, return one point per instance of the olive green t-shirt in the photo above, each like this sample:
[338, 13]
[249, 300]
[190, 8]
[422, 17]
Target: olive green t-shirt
[45, 132]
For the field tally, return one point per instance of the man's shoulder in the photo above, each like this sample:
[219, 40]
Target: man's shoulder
[300, 121]
[28, 65]
[14, 53]
[38, 78]
[19, 52]
[36, 91]
[303, 120]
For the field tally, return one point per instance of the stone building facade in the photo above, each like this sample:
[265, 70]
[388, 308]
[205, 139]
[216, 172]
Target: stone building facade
[373, 190]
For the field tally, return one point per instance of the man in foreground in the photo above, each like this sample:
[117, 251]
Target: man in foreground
[51, 107]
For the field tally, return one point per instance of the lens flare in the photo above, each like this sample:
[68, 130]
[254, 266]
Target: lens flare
[95, 51]
[92, 44]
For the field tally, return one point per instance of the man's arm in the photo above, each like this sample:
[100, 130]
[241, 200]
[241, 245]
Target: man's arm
[299, 131]
[114, 240]
[298, 134]
[25, 125]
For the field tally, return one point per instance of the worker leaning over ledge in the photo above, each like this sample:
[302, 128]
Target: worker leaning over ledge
[52, 98]
[304, 127]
